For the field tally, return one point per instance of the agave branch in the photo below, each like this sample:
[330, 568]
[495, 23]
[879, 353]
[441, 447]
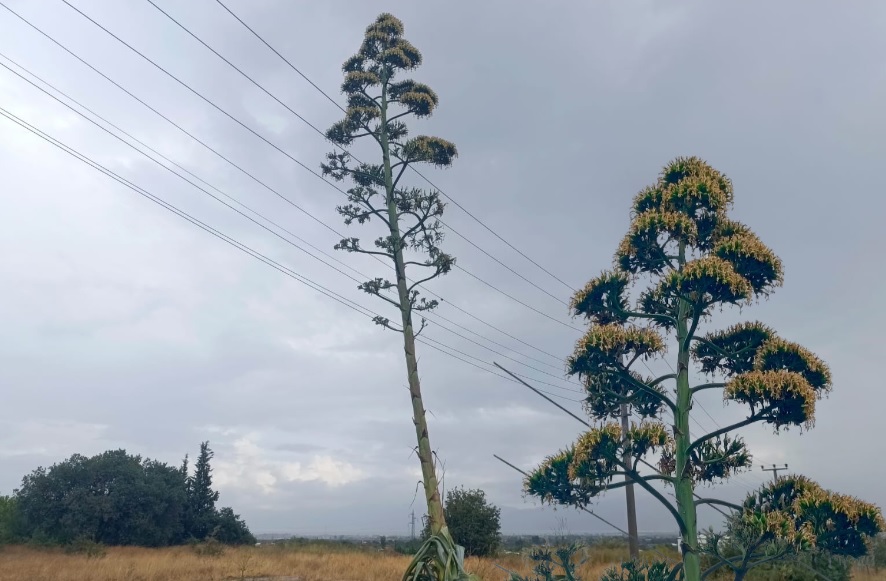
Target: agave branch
[753, 418]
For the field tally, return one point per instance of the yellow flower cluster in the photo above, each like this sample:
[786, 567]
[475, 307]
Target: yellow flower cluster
[604, 345]
[777, 353]
[755, 261]
[708, 280]
[602, 297]
[788, 393]
[598, 450]
[434, 150]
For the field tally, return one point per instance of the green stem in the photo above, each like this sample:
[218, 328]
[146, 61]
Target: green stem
[731, 505]
[425, 455]
[658, 380]
[703, 386]
[646, 388]
[745, 422]
[664, 501]
[683, 486]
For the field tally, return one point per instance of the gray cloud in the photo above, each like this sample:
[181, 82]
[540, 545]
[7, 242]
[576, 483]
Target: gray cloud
[126, 327]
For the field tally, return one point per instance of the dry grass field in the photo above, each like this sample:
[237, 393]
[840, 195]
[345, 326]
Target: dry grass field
[309, 563]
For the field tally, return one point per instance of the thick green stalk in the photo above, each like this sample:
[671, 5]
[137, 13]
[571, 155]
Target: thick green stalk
[425, 455]
[683, 485]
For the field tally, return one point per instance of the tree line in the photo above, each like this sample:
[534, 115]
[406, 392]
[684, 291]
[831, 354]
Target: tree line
[116, 498]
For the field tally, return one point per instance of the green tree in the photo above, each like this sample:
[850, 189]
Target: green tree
[201, 497]
[377, 105]
[473, 522]
[230, 529]
[10, 520]
[685, 258]
[111, 498]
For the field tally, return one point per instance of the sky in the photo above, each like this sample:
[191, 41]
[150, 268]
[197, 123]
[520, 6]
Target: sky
[124, 326]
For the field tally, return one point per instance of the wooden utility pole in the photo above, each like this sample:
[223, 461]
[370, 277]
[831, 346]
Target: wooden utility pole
[633, 538]
[775, 471]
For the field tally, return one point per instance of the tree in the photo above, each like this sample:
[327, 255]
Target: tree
[230, 529]
[10, 520]
[119, 499]
[474, 523]
[693, 260]
[112, 498]
[201, 496]
[377, 104]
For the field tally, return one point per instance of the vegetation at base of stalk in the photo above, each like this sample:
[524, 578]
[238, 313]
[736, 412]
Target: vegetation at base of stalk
[438, 559]
[642, 571]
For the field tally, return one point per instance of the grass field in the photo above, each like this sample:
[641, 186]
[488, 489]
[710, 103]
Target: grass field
[306, 563]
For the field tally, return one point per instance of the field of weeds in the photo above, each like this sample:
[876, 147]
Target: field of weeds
[265, 563]
[302, 563]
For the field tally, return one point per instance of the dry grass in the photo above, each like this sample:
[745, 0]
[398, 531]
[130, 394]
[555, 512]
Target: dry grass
[307, 563]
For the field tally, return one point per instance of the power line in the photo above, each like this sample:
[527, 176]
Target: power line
[229, 240]
[585, 509]
[543, 372]
[334, 102]
[323, 134]
[588, 425]
[302, 165]
[270, 221]
[159, 154]
[236, 120]
[260, 182]
[184, 215]
[515, 299]
[452, 353]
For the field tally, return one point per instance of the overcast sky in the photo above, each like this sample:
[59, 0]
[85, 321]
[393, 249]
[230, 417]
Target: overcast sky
[125, 326]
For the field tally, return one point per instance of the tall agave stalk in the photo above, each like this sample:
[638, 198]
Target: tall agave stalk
[378, 104]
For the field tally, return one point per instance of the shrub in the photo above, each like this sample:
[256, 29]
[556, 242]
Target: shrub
[809, 566]
[86, 546]
[408, 548]
[209, 548]
[547, 563]
[638, 571]
[474, 523]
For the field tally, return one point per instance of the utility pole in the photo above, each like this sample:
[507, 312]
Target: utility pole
[412, 525]
[775, 471]
[586, 424]
[633, 538]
